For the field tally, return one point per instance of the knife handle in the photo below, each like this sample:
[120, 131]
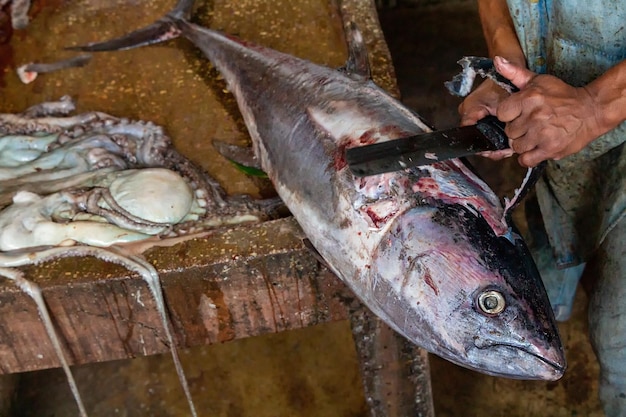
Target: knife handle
[493, 129]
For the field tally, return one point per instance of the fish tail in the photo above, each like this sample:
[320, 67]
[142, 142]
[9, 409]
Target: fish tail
[160, 31]
[182, 10]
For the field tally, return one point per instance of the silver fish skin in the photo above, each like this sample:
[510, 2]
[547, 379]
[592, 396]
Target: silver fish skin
[428, 250]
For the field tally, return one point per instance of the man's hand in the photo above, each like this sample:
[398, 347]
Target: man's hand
[547, 118]
[480, 103]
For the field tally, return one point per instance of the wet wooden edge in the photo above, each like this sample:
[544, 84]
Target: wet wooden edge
[267, 284]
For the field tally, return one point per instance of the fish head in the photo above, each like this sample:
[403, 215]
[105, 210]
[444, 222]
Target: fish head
[447, 282]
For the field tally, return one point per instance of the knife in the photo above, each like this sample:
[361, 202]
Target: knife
[427, 148]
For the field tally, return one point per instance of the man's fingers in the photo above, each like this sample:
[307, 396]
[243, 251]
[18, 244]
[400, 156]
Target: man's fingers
[515, 130]
[497, 155]
[470, 118]
[532, 158]
[519, 76]
[522, 145]
[509, 110]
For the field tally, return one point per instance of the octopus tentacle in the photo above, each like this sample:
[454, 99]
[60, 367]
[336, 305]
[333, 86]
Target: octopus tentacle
[118, 215]
[85, 187]
[62, 107]
[34, 291]
[213, 193]
[151, 277]
[115, 255]
[13, 123]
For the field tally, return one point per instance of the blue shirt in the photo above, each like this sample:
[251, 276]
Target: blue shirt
[584, 195]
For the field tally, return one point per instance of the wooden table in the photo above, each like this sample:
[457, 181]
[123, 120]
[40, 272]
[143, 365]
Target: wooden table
[233, 283]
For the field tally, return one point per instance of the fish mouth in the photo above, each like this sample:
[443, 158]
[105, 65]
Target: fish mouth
[558, 368]
[524, 362]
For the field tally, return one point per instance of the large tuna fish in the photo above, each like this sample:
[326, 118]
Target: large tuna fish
[428, 250]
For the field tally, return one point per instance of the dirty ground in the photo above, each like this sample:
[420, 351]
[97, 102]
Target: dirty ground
[313, 372]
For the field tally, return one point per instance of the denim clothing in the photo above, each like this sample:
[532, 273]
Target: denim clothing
[583, 197]
[577, 40]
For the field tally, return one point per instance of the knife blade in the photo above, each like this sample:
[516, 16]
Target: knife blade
[427, 148]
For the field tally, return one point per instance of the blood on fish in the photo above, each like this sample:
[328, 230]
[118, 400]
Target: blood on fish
[426, 185]
[340, 158]
[377, 220]
[367, 137]
[429, 280]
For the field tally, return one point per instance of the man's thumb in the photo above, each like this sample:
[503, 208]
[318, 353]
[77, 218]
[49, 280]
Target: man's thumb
[519, 76]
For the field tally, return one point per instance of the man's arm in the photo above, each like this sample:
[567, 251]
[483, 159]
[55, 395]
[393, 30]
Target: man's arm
[501, 40]
[609, 94]
[499, 31]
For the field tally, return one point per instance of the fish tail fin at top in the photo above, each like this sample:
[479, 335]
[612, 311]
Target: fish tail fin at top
[182, 10]
[162, 30]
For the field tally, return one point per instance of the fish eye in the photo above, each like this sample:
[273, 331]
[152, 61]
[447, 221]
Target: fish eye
[491, 302]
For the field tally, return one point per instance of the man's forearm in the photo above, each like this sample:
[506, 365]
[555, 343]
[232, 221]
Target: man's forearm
[609, 93]
[499, 31]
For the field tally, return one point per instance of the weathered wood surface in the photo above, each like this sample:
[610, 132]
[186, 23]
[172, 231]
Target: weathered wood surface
[232, 284]
[395, 373]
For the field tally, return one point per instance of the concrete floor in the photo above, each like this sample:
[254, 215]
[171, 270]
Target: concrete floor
[313, 372]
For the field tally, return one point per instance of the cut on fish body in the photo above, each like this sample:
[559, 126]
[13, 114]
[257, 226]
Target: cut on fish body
[428, 249]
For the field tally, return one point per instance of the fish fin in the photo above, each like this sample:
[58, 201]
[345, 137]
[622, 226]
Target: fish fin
[241, 156]
[160, 31]
[182, 10]
[28, 72]
[272, 208]
[307, 244]
[358, 62]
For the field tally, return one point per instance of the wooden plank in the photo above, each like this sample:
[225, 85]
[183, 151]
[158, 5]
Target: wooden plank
[395, 372]
[262, 281]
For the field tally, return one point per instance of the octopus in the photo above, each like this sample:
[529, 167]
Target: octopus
[89, 184]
